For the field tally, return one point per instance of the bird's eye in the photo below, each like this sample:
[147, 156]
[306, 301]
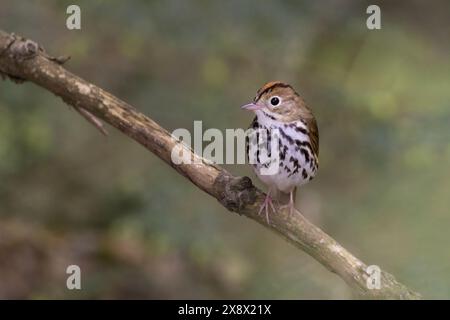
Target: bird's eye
[274, 101]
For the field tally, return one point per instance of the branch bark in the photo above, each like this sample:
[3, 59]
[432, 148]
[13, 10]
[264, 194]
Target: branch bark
[24, 60]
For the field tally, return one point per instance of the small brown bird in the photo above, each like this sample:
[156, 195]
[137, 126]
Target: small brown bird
[278, 106]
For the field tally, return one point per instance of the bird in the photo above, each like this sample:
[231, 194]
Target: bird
[278, 106]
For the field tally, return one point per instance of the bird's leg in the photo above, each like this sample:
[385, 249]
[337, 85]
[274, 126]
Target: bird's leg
[265, 206]
[291, 204]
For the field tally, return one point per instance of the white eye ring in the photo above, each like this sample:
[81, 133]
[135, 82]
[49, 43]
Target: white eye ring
[275, 100]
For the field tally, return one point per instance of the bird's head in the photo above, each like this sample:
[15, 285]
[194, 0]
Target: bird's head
[279, 101]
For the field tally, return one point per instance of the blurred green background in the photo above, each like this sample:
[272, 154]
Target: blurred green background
[137, 229]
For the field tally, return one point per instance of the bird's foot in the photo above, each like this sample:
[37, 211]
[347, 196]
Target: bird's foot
[290, 207]
[265, 206]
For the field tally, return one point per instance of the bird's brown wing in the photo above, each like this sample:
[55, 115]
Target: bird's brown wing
[313, 135]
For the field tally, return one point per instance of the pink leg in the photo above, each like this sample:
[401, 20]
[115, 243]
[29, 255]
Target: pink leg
[291, 204]
[265, 206]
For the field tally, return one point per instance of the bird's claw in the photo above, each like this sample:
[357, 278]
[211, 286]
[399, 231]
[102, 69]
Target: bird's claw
[291, 208]
[265, 206]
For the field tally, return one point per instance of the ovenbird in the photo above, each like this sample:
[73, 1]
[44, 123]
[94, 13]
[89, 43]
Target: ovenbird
[278, 106]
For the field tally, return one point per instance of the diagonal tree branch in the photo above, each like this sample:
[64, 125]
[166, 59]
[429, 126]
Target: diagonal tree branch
[24, 60]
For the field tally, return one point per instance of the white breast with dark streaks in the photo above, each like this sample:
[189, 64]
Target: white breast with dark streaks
[297, 164]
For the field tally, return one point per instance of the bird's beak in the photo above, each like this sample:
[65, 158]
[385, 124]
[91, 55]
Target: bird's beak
[252, 107]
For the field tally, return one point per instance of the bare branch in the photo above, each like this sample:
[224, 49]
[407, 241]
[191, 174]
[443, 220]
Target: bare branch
[22, 59]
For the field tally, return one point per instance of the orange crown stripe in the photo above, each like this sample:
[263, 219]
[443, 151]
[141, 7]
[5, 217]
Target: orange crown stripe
[269, 86]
